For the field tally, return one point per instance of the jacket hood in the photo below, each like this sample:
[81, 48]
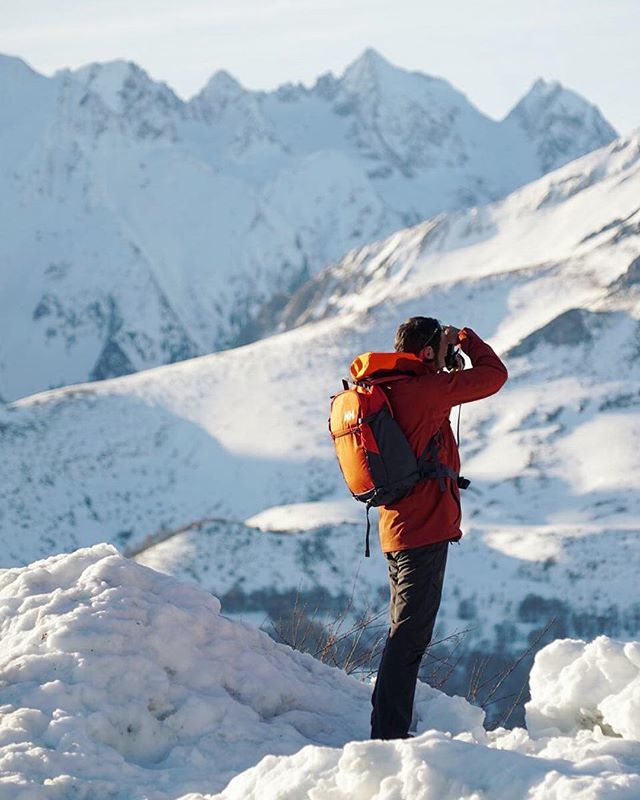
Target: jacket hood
[376, 365]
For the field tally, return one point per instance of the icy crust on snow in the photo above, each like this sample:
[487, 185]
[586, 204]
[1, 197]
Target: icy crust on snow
[119, 682]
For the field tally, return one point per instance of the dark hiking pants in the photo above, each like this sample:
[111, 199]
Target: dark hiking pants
[415, 578]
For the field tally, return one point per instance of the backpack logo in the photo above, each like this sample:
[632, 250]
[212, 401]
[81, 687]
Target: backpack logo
[349, 416]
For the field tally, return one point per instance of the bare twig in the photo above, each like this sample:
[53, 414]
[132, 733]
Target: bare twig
[518, 661]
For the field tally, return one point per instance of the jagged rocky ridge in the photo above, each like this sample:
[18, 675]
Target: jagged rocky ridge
[140, 229]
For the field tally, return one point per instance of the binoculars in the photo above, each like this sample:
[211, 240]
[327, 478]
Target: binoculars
[451, 360]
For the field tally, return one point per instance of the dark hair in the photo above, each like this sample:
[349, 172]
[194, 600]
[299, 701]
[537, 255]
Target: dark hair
[416, 333]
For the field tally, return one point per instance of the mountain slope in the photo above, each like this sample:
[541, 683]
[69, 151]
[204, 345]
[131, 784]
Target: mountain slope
[236, 442]
[138, 229]
[566, 220]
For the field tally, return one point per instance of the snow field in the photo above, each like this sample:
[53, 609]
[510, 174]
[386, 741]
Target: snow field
[118, 682]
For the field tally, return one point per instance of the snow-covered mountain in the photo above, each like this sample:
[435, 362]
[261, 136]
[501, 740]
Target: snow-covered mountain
[119, 682]
[138, 229]
[230, 454]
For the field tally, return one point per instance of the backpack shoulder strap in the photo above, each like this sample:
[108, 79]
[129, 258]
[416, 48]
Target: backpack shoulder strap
[388, 378]
[377, 383]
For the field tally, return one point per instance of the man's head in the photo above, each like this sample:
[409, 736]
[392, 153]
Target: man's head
[422, 337]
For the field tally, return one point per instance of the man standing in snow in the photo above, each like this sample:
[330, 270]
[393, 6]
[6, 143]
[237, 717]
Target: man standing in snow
[415, 531]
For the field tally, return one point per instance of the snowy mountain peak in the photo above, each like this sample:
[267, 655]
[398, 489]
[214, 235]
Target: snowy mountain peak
[108, 79]
[13, 68]
[224, 95]
[122, 85]
[563, 122]
[326, 86]
[371, 70]
[222, 85]
[371, 59]
[407, 121]
[544, 94]
[543, 87]
[17, 83]
[293, 179]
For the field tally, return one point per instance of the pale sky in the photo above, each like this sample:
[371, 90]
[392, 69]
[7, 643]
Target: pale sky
[492, 50]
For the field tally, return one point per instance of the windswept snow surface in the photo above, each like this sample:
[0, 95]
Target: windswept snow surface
[120, 683]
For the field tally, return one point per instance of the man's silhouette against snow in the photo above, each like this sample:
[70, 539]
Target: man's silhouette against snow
[415, 531]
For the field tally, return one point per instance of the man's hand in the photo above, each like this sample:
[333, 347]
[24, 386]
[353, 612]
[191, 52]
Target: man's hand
[450, 334]
[450, 339]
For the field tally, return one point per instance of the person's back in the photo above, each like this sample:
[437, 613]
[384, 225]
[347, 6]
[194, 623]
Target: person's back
[415, 531]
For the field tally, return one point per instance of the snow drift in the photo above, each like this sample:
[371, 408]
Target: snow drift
[576, 685]
[120, 682]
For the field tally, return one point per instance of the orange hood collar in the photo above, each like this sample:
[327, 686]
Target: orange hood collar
[368, 365]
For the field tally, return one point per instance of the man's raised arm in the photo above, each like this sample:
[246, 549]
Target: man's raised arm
[486, 376]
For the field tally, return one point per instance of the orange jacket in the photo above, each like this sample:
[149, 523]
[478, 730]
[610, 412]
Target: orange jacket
[422, 405]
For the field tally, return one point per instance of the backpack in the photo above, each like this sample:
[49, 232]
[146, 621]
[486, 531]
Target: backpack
[375, 457]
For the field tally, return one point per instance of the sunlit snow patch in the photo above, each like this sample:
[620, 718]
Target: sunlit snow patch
[306, 516]
[120, 683]
[117, 681]
[575, 685]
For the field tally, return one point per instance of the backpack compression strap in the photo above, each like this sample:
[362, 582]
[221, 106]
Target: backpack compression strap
[431, 467]
[367, 551]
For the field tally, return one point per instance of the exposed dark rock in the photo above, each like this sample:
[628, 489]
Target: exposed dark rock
[572, 327]
[176, 344]
[43, 309]
[254, 325]
[625, 231]
[627, 400]
[628, 279]
[299, 308]
[618, 224]
[112, 363]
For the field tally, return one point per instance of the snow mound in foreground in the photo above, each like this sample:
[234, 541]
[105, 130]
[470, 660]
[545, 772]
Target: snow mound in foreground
[576, 685]
[117, 681]
[586, 690]
[120, 683]
[584, 717]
